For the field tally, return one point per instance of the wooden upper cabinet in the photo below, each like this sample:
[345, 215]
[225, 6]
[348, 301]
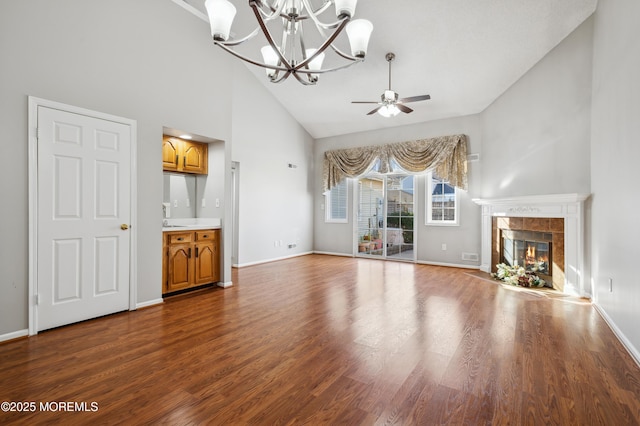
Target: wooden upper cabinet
[183, 156]
[170, 153]
[194, 157]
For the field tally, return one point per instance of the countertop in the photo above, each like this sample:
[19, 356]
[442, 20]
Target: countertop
[190, 224]
[174, 228]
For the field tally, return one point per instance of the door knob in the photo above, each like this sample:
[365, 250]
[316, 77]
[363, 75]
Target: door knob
[124, 226]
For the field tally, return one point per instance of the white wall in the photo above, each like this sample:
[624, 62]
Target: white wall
[212, 186]
[534, 139]
[615, 149]
[338, 237]
[536, 135]
[275, 200]
[153, 62]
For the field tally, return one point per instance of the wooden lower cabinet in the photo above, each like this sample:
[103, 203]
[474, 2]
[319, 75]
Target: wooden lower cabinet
[191, 259]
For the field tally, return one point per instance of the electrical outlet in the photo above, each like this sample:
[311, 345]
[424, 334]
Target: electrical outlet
[175, 203]
[217, 202]
[444, 246]
[188, 203]
[204, 203]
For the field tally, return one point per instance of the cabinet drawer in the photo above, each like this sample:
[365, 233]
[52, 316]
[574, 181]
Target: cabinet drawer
[207, 235]
[184, 237]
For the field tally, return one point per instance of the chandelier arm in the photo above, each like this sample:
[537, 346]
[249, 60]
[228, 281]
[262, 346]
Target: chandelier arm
[318, 11]
[306, 83]
[341, 67]
[238, 41]
[268, 36]
[284, 77]
[314, 17]
[344, 55]
[322, 47]
[251, 61]
[275, 13]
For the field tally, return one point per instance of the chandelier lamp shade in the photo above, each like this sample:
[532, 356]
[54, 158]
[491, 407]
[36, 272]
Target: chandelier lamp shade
[292, 57]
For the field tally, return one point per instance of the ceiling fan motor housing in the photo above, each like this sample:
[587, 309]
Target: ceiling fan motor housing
[389, 96]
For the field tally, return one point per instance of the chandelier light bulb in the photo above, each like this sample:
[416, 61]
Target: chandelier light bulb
[359, 31]
[221, 14]
[270, 57]
[345, 8]
[316, 63]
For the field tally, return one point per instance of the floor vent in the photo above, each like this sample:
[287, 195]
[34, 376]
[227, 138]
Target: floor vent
[470, 256]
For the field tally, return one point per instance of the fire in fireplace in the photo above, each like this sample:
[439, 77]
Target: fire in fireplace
[529, 249]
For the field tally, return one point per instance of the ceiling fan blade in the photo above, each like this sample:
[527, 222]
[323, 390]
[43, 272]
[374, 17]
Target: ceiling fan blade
[415, 98]
[404, 108]
[364, 102]
[374, 111]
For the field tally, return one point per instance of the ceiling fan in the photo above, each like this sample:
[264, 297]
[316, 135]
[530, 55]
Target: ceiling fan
[390, 105]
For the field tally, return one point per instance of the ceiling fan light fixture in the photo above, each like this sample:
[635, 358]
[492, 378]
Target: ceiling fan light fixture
[221, 14]
[359, 32]
[388, 111]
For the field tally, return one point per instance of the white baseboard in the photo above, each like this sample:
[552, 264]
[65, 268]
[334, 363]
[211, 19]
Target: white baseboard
[149, 303]
[452, 265]
[225, 285]
[14, 335]
[329, 253]
[619, 334]
[259, 262]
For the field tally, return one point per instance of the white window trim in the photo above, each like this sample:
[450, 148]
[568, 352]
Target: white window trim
[327, 206]
[429, 205]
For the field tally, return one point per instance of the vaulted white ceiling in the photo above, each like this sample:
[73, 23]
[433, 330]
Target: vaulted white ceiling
[464, 53]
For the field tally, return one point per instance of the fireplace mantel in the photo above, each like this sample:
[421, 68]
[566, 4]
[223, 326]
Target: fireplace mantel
[570, 207]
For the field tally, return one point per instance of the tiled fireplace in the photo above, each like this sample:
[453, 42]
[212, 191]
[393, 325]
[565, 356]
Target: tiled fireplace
[543, 232]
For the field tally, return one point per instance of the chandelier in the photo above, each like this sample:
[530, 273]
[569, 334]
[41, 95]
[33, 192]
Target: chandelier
[291, 56]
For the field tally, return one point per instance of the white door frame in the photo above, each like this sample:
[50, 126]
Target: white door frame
[34, 103]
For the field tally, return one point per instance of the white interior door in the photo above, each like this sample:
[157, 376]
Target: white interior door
[83, 215]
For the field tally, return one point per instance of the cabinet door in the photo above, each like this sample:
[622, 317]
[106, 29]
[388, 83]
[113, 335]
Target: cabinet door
[205, 263]
[170, 153]
[194, 157]
[180, 267]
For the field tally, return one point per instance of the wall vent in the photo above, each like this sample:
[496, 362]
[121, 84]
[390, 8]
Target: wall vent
[473, 257]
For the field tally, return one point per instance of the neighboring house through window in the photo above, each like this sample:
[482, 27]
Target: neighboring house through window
[336, 203]
[442, 201]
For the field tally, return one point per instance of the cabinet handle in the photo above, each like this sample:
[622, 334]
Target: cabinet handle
[189, 252]
[184, 161]
[176, 159]
[196, 251]
[205, 236]
[179, 239]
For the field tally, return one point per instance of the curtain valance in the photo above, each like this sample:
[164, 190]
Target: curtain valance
[445, 155]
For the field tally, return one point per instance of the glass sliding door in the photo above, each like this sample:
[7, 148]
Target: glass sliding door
[385, 216]
[399, 233]
[370, 216]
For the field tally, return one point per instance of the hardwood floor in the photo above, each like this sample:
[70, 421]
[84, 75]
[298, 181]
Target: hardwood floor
[330, 340]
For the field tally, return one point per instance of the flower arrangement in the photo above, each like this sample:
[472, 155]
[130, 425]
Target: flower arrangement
[518, 276]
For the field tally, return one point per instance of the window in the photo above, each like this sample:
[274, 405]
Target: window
[442, 201]
[336, 203]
